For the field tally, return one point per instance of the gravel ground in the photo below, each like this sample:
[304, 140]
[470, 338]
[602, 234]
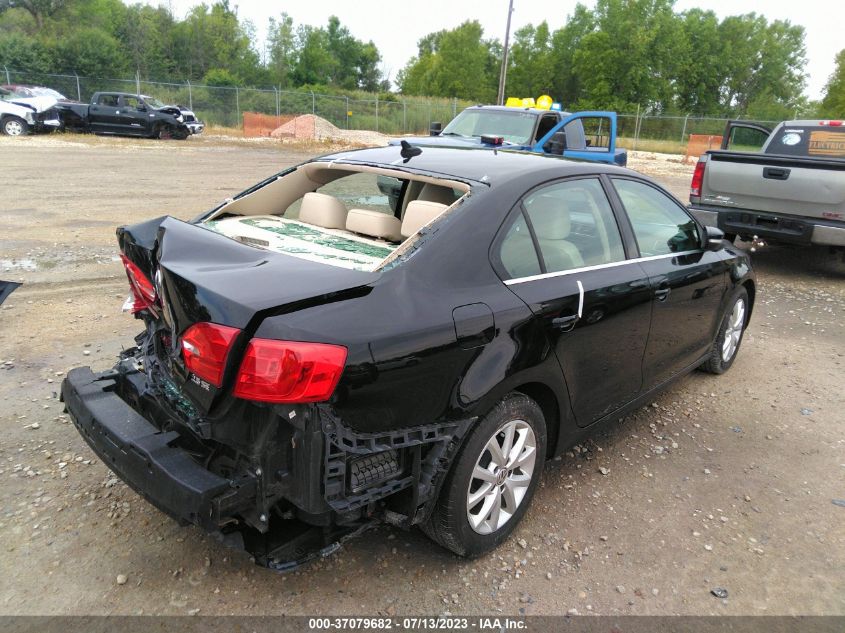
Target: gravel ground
[734, 482]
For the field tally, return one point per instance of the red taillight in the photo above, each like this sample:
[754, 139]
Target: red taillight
[697, 179]
[288, 371]
[143, 291]
[205, 347]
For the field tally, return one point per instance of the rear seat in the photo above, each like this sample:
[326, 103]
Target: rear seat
[418, 214]
[323, 210]
[374, 224]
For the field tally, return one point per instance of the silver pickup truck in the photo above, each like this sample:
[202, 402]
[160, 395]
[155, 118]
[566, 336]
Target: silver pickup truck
[791, 189]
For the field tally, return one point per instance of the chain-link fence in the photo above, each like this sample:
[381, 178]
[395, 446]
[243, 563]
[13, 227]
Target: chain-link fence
[671, 130]
[224, 106]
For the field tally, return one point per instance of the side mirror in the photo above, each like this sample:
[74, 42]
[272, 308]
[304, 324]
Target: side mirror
[714, 238]
[436, 128]
[141, 108]
[556, 144]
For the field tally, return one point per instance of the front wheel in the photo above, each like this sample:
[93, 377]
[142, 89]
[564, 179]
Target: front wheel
[727, 342]
[14, 126]
[492, 480]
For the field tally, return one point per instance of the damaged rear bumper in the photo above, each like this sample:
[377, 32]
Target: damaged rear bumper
[325, 484]
[140, 454]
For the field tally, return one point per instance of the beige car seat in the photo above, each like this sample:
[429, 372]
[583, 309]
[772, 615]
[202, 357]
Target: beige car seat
[374, 224]
[323, 210]
[418, 214]
[552, 226]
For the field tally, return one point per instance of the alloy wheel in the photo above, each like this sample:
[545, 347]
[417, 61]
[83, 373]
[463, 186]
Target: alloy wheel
[501, 476]
[733, 331]
[14, 128]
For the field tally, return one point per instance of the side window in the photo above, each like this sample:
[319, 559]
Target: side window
[131, 103]
[574, 225]
[517, 252]
[660, 225]
[546, 123]
[109, 100]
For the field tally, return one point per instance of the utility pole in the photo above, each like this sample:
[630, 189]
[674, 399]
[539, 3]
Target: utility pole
[504, 71]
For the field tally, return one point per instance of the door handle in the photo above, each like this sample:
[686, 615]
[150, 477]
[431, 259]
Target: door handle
[775, 173]
[565, 324]
[662, 294]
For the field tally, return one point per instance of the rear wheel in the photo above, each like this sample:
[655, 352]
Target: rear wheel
[727, 342]
[493, 479]
[14, 126]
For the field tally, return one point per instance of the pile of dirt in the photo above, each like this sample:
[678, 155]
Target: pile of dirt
[310, 126]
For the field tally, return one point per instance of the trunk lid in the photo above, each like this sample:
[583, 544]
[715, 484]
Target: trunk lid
[202, 276]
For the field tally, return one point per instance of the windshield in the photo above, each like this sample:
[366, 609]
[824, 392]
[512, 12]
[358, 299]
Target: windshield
[515, 127]
[152, 101]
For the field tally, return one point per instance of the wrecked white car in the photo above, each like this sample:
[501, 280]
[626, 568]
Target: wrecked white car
[22, 115]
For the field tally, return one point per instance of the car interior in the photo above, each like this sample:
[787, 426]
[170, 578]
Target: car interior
[353, 216]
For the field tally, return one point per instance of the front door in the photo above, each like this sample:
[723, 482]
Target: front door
[134, 116]
[563, 255]
[688, 281]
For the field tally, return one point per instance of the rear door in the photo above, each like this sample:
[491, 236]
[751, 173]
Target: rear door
[687, 281]
[745, 137]
[104, 114]
[562, 253]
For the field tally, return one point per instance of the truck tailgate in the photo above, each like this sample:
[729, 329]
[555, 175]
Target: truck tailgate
[808, 187]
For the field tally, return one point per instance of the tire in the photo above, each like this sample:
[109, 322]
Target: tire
[734, 321]
[14, 126]
[467, 526]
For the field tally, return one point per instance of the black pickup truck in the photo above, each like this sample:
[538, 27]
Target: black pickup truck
[129, 114]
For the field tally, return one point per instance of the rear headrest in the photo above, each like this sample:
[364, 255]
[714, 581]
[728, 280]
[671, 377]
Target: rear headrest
[418, 214]
[549, 217]
[374, 224]
[322, 210]
[436, 193]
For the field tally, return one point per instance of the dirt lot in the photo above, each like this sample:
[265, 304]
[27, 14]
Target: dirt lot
[722, 482]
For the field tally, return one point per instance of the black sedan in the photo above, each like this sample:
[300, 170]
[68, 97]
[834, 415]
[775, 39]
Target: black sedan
[401, 335]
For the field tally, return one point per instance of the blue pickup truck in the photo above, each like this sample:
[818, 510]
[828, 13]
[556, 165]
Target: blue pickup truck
[589, 135]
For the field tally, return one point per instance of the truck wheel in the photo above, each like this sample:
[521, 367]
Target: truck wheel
[492, 480]
[726, 345]
[14, 126]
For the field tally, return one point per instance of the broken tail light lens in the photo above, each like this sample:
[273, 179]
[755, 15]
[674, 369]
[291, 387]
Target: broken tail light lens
[143, 291]
[697, 179]
[289, 371]
[205, 347]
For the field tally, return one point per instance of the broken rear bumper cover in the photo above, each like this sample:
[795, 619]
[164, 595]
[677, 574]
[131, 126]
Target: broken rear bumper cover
[335, 483]
[140, 454]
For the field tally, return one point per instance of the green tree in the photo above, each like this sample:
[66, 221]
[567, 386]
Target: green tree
[566, 41]
[530, 62]
[332, 56]
[91, 52]
[833, 102]
[281, 47]
[700, 69]
[456, 63]
[40, 10]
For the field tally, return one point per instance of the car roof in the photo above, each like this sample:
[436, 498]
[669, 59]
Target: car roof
[537, 111]
[494, 167]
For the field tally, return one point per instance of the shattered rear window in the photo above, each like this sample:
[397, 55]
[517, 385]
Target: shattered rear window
[306, 241]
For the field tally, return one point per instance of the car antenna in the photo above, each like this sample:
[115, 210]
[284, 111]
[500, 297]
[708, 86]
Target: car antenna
[409, 151]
